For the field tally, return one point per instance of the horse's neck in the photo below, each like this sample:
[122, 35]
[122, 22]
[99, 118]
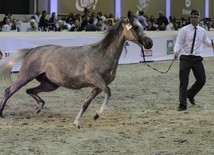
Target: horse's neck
[115, 48]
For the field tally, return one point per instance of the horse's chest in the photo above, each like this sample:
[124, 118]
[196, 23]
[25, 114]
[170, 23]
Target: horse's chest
[110, 74]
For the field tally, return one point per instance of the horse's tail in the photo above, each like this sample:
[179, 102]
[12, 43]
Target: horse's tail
[7, 65]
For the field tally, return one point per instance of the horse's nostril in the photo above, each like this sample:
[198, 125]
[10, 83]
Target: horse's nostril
[148, 44]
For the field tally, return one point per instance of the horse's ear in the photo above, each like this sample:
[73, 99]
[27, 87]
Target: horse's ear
[129, 14]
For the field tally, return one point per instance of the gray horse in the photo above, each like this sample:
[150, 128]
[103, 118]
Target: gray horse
[91, 65]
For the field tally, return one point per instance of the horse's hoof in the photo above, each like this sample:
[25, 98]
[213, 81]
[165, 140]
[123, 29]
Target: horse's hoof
[77, 124]
[96, 116]
[38, 111]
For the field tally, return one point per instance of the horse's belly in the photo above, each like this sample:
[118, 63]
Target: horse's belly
[70, 82]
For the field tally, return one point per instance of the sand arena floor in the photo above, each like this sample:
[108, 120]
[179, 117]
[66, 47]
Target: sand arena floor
[141, 118]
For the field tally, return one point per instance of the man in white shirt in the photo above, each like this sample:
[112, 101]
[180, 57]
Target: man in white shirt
[190, 51]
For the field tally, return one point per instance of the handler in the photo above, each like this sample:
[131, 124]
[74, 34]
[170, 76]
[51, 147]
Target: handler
[189, 45]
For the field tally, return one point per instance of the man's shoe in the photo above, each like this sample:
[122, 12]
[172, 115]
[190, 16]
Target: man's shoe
[191, 100]
[182, 107]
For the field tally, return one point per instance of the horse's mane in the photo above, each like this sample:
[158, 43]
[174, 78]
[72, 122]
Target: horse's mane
[110, 35]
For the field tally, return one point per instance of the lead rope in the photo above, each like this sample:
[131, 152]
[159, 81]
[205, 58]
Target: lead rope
[144, 60]
[212, 45]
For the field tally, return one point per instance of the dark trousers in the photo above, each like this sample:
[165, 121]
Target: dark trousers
[188, 63]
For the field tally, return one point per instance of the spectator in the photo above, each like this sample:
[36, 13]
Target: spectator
[70, 19]
[172, 26]
[36, 16]
[7, 26]
[43, 22]
[7, 15]
[94, 17]
[91, 26]
[104, 26]
[151, 26]
[52, 22]
[84, 21]
[162, 21]
[33, 26]
[61, 26]
[14, 26]
[153, 19]
[101, 17]
[77, 26]
[142, 19]
[111, 17]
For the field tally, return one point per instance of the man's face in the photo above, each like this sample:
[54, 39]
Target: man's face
[194, 19]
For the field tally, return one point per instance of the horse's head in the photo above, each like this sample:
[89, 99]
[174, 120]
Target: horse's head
[134, 31]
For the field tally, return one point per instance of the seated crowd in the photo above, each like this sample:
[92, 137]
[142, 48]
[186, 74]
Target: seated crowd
[93, 22]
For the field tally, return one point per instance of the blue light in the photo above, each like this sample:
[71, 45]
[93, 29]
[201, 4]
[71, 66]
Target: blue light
[117, 9]
[54, 6]
[168, 3]
[207, 8]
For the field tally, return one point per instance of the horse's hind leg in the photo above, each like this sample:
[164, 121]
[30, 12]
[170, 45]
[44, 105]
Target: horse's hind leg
[92, 94]
[20, 82]
[45, 86]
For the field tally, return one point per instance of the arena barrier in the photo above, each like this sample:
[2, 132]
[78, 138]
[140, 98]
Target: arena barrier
[162, 49]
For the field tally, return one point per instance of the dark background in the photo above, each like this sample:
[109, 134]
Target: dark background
[15, 6]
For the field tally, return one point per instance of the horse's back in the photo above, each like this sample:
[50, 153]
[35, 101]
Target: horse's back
[60, 64]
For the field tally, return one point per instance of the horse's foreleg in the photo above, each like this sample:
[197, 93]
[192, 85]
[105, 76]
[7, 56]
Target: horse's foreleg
[107, 92]
[45, 86]
[92, 94]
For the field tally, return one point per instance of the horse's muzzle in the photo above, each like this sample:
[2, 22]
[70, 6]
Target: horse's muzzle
[146, 42]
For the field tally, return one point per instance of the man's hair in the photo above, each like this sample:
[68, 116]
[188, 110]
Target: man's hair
[141, 12]
[194, 12]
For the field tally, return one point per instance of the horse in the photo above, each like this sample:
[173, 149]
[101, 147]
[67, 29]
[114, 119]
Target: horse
[74, 67]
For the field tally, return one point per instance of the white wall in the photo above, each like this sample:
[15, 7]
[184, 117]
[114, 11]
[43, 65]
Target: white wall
[13, 41]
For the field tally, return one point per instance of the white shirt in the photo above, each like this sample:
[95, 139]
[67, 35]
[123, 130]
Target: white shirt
[143, 21]
[184, 40]
[170, 27]
[6, 28]
[37, 18]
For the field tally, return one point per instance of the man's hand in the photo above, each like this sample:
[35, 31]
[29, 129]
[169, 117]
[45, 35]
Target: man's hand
[212, 43]
[176, 55]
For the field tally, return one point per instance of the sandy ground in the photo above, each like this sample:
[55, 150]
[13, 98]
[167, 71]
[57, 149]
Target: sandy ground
[142, 118]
